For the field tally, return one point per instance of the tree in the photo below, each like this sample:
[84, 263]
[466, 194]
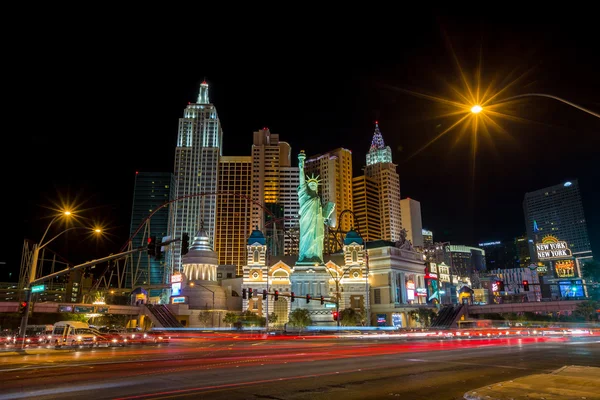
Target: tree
[423, 315]
[272, 318]
[230, 318]
[588, 310]
[205, 318]
[300, 318]
[350, 317]
[248, 318]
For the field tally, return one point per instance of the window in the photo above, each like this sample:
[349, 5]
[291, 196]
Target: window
[377, 296]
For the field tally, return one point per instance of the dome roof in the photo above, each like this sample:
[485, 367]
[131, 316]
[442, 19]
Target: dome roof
[200, 251]
[353, 237]
[257, 236]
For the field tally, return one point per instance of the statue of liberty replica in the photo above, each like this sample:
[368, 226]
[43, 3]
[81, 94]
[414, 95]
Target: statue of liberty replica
[313, 217]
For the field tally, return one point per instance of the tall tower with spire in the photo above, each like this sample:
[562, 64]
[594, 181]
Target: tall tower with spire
[380, 171]
[197, 153]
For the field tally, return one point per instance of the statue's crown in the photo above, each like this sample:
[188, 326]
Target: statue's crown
[313, 178]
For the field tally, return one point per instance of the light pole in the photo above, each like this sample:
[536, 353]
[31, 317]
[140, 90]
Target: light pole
[213, 293]
[476, 109]
[33, 269]
[33, 272]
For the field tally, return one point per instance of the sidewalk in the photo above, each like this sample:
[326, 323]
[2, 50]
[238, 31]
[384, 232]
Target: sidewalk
[566, 383]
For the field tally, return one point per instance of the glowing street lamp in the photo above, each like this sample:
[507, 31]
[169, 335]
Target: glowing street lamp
[34, 262]
[476, 109]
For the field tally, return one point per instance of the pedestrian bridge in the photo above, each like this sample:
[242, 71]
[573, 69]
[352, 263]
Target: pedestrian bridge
[536, 306]
[52, 307]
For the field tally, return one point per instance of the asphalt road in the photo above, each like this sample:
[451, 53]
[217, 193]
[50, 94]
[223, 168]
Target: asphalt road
[289, 369]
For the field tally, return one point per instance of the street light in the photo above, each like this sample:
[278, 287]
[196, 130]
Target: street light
[476, 109]
[33, 268]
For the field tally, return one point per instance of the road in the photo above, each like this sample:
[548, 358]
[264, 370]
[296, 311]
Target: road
[297, 368]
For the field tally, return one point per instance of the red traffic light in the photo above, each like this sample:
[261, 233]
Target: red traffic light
[335, 315]
[23, 304]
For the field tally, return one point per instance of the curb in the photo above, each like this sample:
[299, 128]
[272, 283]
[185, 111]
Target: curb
[26, 352]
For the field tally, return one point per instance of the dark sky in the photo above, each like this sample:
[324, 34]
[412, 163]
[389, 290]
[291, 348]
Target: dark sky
[94, 102]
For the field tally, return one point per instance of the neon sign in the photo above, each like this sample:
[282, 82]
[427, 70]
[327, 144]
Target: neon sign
[552, 248]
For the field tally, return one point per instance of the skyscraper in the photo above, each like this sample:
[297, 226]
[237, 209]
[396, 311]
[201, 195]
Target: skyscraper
[557, 211]
[365, 198]
[199, 146]
[410, 210]
[269, 157]
[382, 170]
[289, 179]
[234, 209]
[334, 169]
[150, 191]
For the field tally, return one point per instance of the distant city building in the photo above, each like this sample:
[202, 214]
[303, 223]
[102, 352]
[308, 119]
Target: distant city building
[198, 148]
[151, 190]
[234, 210]
[522, 251]
[513, 282]
[557, 211]
[410, 210]
[427, 238]
[500, 255]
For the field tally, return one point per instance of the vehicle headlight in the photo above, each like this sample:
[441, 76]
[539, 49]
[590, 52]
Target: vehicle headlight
[79, 337]
[114, 340]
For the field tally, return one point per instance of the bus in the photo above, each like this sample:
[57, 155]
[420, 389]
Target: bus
[75, 333]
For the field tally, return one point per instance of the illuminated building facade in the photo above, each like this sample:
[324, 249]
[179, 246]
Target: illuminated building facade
[343, 274]
[199, 146]
[233, 210]
[427, 238]
[334, 169]
[382, 170]
[558, 211]
[286, 242]
[269, 155]
[365, 198]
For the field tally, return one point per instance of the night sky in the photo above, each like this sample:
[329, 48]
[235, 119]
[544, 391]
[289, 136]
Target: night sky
[100, 106]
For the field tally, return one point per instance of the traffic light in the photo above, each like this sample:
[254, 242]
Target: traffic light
[244, 293]
[292, 297]
[157, 251]
[526, 286]
[336, 315]
[22, 307]
[500, 286]
[276, 295]
[307, 298]
[264, 294]
[185, 243]
[250, 293]
[152, 246]
[322, 300]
